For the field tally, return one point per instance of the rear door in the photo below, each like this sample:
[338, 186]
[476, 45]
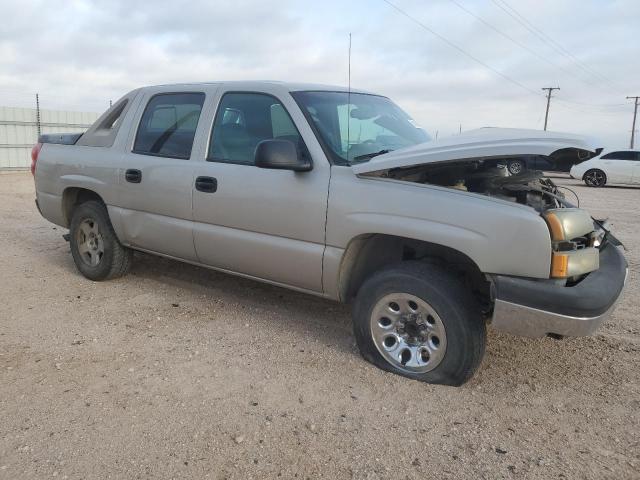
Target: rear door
[157, 171]
[618, 166]
[268, 224]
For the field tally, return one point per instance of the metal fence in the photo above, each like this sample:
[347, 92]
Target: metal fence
[19, 131]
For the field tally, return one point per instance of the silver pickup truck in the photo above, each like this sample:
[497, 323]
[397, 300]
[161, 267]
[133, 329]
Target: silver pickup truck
[340, 194]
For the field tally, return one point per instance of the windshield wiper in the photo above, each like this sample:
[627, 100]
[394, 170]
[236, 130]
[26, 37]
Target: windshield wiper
[368, 156]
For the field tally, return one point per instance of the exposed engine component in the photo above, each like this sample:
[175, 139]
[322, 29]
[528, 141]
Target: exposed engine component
[487, 177]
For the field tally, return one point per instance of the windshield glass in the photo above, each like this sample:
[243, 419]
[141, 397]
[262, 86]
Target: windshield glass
[356, 127]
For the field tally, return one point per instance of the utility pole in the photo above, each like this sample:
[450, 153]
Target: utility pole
[110, 104]
[38, 115]
[635, 114]
[546, 115]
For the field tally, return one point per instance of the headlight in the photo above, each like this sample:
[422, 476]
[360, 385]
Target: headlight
[568, 223]
[566, 226]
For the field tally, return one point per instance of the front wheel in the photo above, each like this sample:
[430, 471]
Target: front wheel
[96, 251]
[595, 178]
[418, 320]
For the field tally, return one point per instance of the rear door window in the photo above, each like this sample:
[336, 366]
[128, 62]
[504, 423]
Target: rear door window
[620, 156]
[168, 125]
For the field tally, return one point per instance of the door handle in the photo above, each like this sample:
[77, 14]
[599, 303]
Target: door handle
[206, 184]
[133, 176]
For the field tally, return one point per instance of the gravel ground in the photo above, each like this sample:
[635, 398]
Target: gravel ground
[180, 372]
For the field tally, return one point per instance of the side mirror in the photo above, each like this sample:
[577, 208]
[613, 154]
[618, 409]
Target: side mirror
[280, 155]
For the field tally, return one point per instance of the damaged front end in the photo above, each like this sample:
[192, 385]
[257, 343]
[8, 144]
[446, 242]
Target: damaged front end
[574, 235]
[586, 271]
[477, 162]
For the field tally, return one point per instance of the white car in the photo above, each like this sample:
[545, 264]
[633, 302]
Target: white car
[620, 166]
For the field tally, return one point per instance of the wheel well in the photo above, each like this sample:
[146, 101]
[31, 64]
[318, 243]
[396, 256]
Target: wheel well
[368, 253]
[592, 169]
[74, 196]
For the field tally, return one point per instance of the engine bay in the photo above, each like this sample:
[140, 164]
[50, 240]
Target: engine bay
[487, 177]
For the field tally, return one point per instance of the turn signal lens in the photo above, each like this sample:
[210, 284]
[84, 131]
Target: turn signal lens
[555, 226]
[571, 263]
[559, 265]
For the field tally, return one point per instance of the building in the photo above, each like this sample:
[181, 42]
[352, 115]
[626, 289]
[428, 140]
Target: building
[19, 131]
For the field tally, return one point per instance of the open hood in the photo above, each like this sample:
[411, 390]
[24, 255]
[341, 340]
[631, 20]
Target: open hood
[482, 143]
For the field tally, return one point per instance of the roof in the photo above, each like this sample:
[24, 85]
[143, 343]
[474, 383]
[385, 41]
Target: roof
[261, 84]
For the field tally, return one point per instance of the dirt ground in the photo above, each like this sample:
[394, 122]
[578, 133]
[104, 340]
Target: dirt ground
[180, 372]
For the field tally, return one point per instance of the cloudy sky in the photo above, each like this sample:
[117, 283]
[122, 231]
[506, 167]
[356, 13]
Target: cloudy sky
[79, 54]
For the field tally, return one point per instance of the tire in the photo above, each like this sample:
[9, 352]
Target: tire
[595, 178]
[516, 167]
[451, 312]
[96, 250]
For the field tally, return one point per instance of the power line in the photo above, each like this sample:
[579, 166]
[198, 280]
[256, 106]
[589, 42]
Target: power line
[568, 106]
[546, 115]
[580, 109]
[520, 44]
[460, 49]
[540, 57]
[595, 105]
[513, 13]
[601, 117]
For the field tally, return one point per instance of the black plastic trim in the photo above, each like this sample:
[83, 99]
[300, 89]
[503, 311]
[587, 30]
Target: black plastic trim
[206, 184]
[591, 297]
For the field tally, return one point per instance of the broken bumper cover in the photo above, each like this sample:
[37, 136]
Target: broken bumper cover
[532, 308]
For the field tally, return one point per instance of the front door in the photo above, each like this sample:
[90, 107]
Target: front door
[268, 224]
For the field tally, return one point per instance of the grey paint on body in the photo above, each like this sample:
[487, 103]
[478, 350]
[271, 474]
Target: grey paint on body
[286, 228]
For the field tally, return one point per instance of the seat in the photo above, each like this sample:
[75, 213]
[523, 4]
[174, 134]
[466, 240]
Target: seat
[232, 142]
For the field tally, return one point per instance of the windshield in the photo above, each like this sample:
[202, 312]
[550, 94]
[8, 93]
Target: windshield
[356, 127]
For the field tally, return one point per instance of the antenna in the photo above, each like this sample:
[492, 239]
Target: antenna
[349, 100]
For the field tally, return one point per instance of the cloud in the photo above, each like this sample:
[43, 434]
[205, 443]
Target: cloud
[83, 53]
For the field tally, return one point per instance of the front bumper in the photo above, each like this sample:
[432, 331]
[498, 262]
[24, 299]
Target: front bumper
[533, 308]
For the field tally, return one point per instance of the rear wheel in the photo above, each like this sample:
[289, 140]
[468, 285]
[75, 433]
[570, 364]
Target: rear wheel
[418, 320]
[595, 178]
[96, 251]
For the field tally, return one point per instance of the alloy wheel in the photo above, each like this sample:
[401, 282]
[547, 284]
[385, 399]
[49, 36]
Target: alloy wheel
[90, 242]
[594, 178]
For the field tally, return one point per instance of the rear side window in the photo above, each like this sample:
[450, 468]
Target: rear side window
[168, 125]
[244, 120]
[620, 156]
[103, 132]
